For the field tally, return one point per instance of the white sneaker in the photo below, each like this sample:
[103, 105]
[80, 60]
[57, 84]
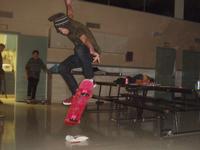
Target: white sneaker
[68, 101]
[76, 139]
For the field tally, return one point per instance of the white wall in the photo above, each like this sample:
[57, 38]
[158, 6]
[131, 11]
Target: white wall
[143, 31]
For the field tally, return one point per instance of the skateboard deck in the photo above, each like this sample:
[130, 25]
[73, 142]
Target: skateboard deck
[79, 102]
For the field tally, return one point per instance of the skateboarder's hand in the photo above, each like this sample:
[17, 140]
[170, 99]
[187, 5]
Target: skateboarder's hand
[70, 13]
[69, 9]
[96, 57]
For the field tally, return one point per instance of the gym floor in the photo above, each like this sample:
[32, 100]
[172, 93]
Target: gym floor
[41, 127]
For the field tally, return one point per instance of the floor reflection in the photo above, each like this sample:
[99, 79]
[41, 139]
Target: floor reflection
[1, 128]
[41, 127]
[7, 133]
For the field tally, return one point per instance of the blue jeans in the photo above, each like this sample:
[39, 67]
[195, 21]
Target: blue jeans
[80, 59]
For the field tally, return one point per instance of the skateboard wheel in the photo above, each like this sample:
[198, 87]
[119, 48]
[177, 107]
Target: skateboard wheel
[84, 94]
[74, 120]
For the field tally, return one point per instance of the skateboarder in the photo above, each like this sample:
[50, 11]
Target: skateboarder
[86, 50]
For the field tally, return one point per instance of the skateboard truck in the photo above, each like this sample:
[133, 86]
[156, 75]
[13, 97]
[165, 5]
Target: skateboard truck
[73, 118]
[85, 93]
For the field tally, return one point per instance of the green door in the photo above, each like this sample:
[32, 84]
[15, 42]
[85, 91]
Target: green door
[190, 68]
[26, 44]
[165, 68]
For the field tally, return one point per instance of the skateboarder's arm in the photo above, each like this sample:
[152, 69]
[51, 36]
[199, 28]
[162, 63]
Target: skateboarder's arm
[69, 10]
[84, 39]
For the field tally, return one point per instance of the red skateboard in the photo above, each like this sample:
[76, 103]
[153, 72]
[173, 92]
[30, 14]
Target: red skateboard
[79, 102]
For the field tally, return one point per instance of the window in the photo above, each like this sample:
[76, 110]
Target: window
[161, 7]
[192, 10]
[99, 1]
[129, 4]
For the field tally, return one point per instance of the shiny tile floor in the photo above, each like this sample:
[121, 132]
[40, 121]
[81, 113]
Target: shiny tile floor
[41, 127]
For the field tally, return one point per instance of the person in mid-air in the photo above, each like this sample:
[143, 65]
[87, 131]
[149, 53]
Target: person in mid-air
[86, 50]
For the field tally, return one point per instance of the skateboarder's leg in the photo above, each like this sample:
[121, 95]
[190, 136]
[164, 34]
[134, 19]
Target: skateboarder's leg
[65, 71]
[81, 59]
[86, 60]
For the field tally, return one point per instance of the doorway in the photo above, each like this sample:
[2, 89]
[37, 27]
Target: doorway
[165, 69]
[18, 50]
[26, 44]
[190, 68]
[9, 65]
